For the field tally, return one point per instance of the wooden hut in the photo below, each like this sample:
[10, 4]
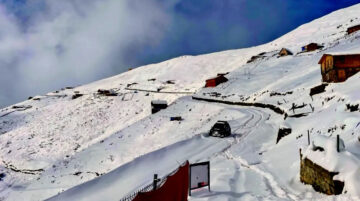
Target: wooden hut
[337, 67]
[213, 82]
[285, 52]
[311, 47]
[353, 29]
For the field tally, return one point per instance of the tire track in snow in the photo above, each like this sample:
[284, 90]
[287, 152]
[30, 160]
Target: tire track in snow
[270, 181]
[275, 188]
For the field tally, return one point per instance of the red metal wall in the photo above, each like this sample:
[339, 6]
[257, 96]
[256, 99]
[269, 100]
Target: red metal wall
[211, 83]
[215, 81]
[174, 189]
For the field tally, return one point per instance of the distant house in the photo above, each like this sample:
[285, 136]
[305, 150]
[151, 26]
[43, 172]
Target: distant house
[337, 67]
[213, 82]
[353, 29]
[157, 105]
[285, 52]
[106, 92]
[311, 47]
[222, 74]
[259, 56]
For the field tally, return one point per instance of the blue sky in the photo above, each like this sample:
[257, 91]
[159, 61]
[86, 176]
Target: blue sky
[44, 42]
[204, 26]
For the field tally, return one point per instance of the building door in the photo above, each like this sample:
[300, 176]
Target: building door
[341, 75]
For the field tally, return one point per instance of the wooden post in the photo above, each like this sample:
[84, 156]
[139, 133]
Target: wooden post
[209, 175]
[338, 143]
[308, 137]
[293, 108]
[155, 181]
[312, 108]
[189, 180]
[300, 163]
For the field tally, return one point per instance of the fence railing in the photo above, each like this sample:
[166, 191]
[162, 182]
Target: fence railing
[150, 187]
[133, 194]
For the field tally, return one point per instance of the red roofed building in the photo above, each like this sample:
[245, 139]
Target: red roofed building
[213, 82]
[353, 29]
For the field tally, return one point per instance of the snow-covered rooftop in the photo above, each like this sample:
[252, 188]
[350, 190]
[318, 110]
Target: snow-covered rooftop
[354, 52]
[159, 102]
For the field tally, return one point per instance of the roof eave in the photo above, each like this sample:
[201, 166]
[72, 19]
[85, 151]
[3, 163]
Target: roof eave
[323, 57]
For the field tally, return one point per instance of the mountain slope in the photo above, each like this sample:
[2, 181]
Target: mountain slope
[61, 142]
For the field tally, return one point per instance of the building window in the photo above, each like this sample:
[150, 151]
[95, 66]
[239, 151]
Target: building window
[342, 59]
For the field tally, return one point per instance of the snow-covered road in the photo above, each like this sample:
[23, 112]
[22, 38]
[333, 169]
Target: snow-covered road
[247, 181]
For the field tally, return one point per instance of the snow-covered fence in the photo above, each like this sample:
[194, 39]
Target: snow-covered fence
[161, 92]
[152, 186]
[261, 105]
[133, 195]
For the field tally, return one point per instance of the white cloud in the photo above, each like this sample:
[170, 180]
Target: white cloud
[72, 41]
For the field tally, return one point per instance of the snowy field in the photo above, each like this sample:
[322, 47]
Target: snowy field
[97, 147]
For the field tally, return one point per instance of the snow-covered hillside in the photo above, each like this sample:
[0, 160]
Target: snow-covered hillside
[97, 147]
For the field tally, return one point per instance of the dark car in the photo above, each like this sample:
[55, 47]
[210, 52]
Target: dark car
[220, 129]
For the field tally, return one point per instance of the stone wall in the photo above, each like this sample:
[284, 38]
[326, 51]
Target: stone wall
[320, 178]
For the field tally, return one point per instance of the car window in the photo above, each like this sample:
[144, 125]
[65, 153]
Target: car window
[220, 126]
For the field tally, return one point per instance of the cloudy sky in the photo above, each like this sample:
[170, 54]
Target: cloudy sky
[49, 44]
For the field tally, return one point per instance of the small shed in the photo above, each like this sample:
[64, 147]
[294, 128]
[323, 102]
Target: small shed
[222, 74]
[213, 82]
[157, 105]
[353, 29]
[337, 67]
[107, 92]
[311, 47]
[285, 52]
